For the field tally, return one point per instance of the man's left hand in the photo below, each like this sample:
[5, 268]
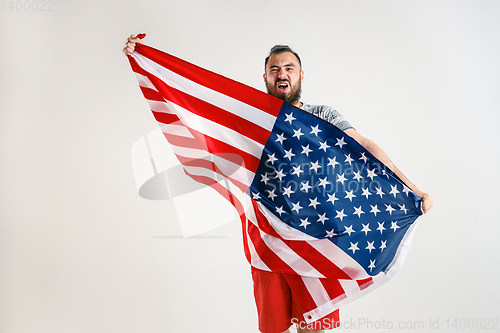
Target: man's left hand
[427, 202]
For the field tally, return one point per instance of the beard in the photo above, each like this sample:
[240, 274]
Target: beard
[291, 97]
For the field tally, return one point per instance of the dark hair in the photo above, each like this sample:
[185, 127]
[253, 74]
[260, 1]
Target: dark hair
[281, 49]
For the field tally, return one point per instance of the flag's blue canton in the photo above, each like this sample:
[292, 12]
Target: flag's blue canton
[320, 181]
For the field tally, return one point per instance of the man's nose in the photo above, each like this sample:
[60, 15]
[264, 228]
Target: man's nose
[282, 73]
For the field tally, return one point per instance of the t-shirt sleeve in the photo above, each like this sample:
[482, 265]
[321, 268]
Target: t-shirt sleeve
[329, 114]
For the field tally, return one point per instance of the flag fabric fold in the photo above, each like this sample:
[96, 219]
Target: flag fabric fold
[312, 201]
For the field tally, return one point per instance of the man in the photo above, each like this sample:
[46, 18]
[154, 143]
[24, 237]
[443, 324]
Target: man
[280, 297]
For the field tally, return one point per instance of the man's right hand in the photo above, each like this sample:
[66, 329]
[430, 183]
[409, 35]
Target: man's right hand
[130, 44]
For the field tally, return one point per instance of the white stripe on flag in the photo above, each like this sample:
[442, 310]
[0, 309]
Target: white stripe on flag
[292, 259]
[157, 106]
[316, 290]
[144, 81]
[254, 257]
[325, 309]
[342, 260]
[217, 131]
[228, 168]
[199, 171]
[234, 171]
[213, 97]
[241, 197]
[192, 153]
[176, 128]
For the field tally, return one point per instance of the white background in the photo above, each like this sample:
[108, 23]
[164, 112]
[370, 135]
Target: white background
[81, 251]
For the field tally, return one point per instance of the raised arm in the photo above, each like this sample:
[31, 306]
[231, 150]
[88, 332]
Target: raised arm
[427, 199]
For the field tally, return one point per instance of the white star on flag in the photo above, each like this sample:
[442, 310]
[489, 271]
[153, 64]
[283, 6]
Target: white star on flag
[296, 206]
[394, 190]
[374, 210]
[358, 211]
[370, 247]
[290, 118]
[272, 159]
[349, 230]
[322, 218]
[315, 166]
[324, 146]
[354, 247]
[332, 162]
[340, 142]
[281, 138]
[306, 150]
[315, 130]
[297, 133]
[366, 228]
[340, 214]
[304, 223]
[314, 202]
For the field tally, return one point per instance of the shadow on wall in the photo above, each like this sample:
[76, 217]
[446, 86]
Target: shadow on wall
[160, 176]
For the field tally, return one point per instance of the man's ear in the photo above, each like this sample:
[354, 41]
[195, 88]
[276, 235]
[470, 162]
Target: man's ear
[301, 76]
[265, 77]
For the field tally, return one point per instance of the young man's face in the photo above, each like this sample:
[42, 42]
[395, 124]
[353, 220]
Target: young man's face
[283, 77]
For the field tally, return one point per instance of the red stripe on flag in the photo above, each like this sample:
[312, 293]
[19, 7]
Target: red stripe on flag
[267, 255]
[218, 147]
[333, 288]
[364, 283]
[214, 81]
[211, 112]
[306, 301]
[135, 66]
[316, 259]
[151, 94]
[182, 142]
[196, 162]
[165, 118]
[209, 165]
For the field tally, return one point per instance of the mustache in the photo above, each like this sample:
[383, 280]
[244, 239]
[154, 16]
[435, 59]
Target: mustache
[283, 80]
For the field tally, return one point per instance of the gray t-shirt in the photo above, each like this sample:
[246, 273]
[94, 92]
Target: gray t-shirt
[328, 114]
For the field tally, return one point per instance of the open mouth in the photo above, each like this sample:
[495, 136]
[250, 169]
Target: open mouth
[282, 86]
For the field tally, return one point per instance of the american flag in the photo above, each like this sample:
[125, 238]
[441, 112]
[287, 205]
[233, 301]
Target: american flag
[312, 201]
